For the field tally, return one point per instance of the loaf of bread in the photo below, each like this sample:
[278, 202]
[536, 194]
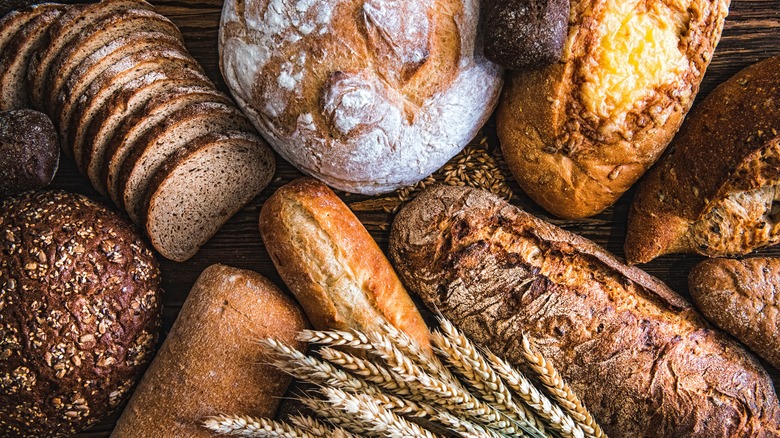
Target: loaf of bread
[211, 362]
[577, 134]
[525, 33]
[80, 312]
[365, 95]
[740, 296]
[715, 193]
[332, 265]
[30, 149]
[640, 357]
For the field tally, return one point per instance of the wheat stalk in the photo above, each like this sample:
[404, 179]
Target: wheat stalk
[335, 416]
[335, 338]
[371, 372]
[254, 427]
[316, 428]
[465, 428]
[462, 355]
[373, 416]
[560, 390]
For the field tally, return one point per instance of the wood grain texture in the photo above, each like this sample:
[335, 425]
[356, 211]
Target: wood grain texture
[752, 33]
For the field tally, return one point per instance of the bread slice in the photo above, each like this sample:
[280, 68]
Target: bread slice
[69, 26]
[11, 22]
[123, 105]
[158, 144]
[153, 114]
[201, 186]
[77, 113]
[717, 191]
[17, 53]
[108, 39]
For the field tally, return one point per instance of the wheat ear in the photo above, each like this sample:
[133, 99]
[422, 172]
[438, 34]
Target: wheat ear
[373, 416]
[335, 416]
[441, 393]
[413, 349]
[470, 364]
[560, 390]
[318, 429]
[371, 372]
[466, 429]
[335, 338]
[253, 427]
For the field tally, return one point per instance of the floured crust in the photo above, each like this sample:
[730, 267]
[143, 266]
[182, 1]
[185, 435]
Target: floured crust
[716, 191]
[366, 95]
[641, 358]
[332, 264]
[575, 147]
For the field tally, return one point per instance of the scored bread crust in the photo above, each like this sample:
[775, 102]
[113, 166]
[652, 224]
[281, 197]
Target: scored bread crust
[740, 297]
[366, 95]
[729, 146]
[332, 264]
[569, 156]
[638, 355]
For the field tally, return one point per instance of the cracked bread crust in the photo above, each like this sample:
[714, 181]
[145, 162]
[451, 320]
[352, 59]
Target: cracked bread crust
[716, 191]
[641, 358]
[579, 133]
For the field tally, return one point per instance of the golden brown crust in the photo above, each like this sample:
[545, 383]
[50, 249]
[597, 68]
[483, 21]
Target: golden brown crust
[729, 144]
[644, 362]
[739, 296]
[332, 264]
[574, 161]
[211, 362]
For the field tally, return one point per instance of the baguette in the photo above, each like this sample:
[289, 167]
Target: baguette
[716, 192]
[641, 358]
[739, 296]
[211, 362]
[332, 265]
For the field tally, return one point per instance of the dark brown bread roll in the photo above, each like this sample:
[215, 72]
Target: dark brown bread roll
[525, 33]
[740, 296]
[30, 151]
[641, 358]
[80, 313]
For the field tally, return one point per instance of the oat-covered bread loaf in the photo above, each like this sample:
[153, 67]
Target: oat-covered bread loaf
[366, 95]
[640, 357]
[578, 133]
[30, 151]
[80, 311]
[716, 192]
[740, 296]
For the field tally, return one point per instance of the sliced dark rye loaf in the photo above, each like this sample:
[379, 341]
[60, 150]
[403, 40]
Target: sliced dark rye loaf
[17, 52]
[108, 39]
[122, 106]
[11, 22]
[156, 111]
[201, 186]
[164, 140]
[76, 115]
[67, 27]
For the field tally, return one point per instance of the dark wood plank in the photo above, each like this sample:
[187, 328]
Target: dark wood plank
[752, 33]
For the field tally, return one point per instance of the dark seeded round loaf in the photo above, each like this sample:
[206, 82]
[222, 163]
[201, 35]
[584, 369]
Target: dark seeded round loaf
[79, 313]
[30, 151]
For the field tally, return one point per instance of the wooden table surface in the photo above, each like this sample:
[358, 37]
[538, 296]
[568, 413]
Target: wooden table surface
[752, 33]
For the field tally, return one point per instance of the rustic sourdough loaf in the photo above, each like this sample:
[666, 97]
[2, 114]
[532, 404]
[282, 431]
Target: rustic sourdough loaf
[577, 134]
[640, 357]
[211, 362]
[88, 91]
[200, 187]
[154, 113]
[717, 190]
[123, 105]
[17, 53]
[740, 296]
[80, 314]
[179, 128]
[332, 264]
[367, 95]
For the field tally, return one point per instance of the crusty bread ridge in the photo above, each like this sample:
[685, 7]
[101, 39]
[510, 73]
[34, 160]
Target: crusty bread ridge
[332, 264]
[641, 358]
[575, 147]
[211, 362]
[716, 191]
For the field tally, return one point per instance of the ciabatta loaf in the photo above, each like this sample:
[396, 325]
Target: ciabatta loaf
[578, 133]
[640, 357]
[366, 95]
[717, 191]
